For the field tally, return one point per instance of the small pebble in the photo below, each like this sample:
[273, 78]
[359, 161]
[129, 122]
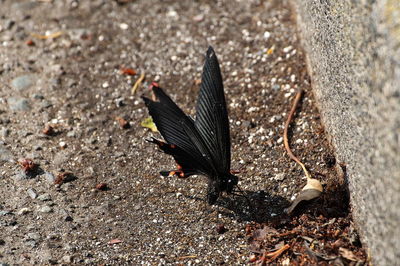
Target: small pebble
[62, 144]
[5, 154]
[32, 193]
[119, 102]
[287, 49]
[33, 236]
[18, 104]
[279, 177]
[44, 197]
[24, 211]
[124, 26]
[66, 259]
[276, 87]
[49, 177]
[19, 176]
[71, 134]
[4, 132]
[37, 96]
[45, 209]
[2, 213]
[23, 82]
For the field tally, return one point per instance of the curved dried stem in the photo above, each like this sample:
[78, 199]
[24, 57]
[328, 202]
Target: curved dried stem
[285, 133]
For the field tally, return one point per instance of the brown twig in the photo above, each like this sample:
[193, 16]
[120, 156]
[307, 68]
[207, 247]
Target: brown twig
[269, 257]
[285, 133]
[137, 83]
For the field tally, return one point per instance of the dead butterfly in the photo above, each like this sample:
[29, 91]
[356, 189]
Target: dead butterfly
[200, 146]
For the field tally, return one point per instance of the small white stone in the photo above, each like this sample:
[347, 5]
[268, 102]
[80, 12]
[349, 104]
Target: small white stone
[106, 84]
[62, 144]
[252, 109]
[172, 13]
[45, 209]
[280, 140]
[287, 49]
[24, 211]
[267, 34]
[124, 26]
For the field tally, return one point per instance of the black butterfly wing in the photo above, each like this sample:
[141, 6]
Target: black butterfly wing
[186, 165]
[212, 116]
[179, 131]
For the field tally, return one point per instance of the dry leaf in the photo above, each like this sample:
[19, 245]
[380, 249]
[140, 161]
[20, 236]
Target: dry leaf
[347, 254]
[114, 241]
[47, 36]
[313, 184]
[128, 71]
[148, 122]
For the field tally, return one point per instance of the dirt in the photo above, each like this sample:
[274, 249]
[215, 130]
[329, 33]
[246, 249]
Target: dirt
[90, 192]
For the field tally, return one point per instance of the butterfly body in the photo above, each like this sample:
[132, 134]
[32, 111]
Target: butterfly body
[200, 146]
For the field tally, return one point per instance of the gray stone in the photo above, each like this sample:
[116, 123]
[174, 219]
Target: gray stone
[8, 24]
[18, 104]
[19, 176]
[49, 177]
[276, 87]
[2, 213]
[32, 236]
[279, 177]
[5, 154]
[32, 193]
[23, 82]
[353, 57]
[4, 132]
[45, 209]
[37, 96]
[24, 211]
[66, 259]
[46, 104]
[44, 197]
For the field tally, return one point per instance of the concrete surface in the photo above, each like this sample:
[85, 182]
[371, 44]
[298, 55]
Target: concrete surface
[353, 58]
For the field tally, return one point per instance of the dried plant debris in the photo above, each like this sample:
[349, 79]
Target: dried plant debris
[313, 188]
[27, 165]
[137, 83]
[148, 122]
[307, 240]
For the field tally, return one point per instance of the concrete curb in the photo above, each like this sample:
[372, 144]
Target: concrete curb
[354, 60]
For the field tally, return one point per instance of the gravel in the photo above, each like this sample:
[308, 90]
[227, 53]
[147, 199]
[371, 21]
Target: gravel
[62, 60]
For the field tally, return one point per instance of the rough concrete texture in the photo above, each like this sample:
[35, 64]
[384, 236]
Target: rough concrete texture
[354, 60]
